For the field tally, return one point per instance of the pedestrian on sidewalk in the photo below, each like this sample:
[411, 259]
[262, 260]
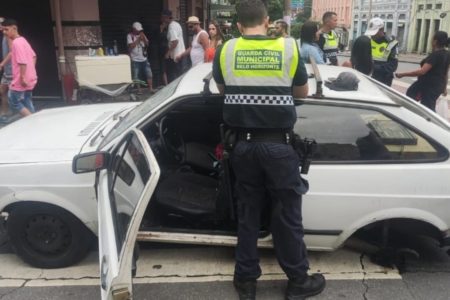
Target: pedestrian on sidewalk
[384, 52]
[216, 39]
[138, 44]
[200, 42]
[176, 46]
[6, 77]
[309, 35]
[432, 77]
[23, 62]
[328, 38]
[361, 56]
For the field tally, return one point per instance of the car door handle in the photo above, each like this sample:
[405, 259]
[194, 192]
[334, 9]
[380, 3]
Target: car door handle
[104, 272]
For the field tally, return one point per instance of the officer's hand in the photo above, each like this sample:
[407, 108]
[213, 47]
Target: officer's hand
[398, 75]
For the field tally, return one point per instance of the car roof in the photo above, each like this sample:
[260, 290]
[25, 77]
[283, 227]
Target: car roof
[368, 90]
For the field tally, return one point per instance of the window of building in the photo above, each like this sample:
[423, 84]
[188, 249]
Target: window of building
[346, 134]
[402, 16]
[420, 7]
[429, 6]
[438, 5]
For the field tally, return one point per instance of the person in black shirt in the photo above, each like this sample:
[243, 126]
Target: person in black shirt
[433, 73]
[361, 56]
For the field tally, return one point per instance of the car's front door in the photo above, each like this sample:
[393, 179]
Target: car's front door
[124, 190]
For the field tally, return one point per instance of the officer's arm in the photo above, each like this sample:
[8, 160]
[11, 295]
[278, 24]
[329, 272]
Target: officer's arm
[300, 91]
[300, 82]
[217, 73]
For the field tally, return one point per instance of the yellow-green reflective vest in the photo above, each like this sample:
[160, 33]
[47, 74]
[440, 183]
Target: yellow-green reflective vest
[331, 41]
[258, 75]
[382, 51]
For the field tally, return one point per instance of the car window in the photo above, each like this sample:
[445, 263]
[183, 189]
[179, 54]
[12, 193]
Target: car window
[129, 174]
[355, 134]
[141, 110]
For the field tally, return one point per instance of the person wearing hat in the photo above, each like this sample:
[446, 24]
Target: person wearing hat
[200, 42]
[137, 46]
[6, 77]
[176, 45]
[384, 52]
[259, 77]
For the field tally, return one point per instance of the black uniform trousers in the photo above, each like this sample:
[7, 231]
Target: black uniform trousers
[269, 171]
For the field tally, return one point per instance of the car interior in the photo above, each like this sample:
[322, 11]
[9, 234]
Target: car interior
[193, 192]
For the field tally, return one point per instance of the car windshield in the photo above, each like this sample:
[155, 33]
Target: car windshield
[140, 111]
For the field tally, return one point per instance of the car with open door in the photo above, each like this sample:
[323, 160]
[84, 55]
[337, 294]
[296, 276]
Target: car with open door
[381, 166]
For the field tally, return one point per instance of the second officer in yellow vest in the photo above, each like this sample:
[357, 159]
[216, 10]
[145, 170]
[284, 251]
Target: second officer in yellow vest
[259, 77]
[384, 52]
[328, 38]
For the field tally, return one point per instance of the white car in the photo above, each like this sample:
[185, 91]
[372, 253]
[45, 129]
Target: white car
[382, 162]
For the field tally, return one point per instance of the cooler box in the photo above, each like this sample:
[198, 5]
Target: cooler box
[98, 70]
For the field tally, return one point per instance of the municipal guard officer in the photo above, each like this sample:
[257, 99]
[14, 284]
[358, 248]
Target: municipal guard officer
[384, 52]
[259, 77]
[328, 38]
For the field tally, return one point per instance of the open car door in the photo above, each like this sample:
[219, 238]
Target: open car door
[124, 190]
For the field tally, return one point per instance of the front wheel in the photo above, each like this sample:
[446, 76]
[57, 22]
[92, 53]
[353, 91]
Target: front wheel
[47, 236]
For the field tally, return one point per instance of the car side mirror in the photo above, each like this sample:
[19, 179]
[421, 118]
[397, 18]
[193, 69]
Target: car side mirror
[90, 162]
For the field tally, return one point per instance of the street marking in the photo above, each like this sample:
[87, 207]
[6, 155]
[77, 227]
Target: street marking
[199, 264]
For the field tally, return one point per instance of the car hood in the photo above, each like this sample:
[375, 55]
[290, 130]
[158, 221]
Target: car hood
[53, 135]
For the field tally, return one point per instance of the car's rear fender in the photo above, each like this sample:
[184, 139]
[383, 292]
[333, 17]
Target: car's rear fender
[85, 209]
[388, 214]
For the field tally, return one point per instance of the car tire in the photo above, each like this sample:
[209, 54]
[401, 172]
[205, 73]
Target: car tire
[47, 236]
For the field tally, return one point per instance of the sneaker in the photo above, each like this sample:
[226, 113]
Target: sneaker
[300, 289]
[246, 288]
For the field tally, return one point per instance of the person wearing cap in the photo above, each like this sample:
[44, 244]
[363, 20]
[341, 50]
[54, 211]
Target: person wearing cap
[345, 82]
[6, 77]
[176, 46]
[23, 63]
[137, 46]
[259, 77]
[328, 38]
[200, 42]
[384, 52]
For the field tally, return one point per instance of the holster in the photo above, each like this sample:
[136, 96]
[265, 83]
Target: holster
[305, 149]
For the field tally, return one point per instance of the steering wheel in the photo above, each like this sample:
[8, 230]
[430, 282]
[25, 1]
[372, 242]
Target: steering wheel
[172, 142]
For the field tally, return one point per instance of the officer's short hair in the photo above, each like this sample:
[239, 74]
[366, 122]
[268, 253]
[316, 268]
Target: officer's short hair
[327, 16]
[251, 13]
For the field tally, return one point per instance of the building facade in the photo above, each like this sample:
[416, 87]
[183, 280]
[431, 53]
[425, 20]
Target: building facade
[343, 9]
[428, 16]
[395, 13]
[60, 29]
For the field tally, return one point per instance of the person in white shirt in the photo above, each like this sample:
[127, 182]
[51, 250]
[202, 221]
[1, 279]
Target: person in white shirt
[176, 46]
[137, 43]
[200, 42]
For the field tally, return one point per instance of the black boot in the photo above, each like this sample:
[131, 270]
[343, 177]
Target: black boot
[245, 288]
[299, 289]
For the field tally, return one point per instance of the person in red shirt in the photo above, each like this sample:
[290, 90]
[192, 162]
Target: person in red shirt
[23, 61]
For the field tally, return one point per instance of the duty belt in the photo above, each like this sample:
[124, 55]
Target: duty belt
[279, 136]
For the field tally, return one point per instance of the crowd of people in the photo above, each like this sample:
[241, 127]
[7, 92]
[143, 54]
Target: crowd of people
[175, 56]
[375, 54]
